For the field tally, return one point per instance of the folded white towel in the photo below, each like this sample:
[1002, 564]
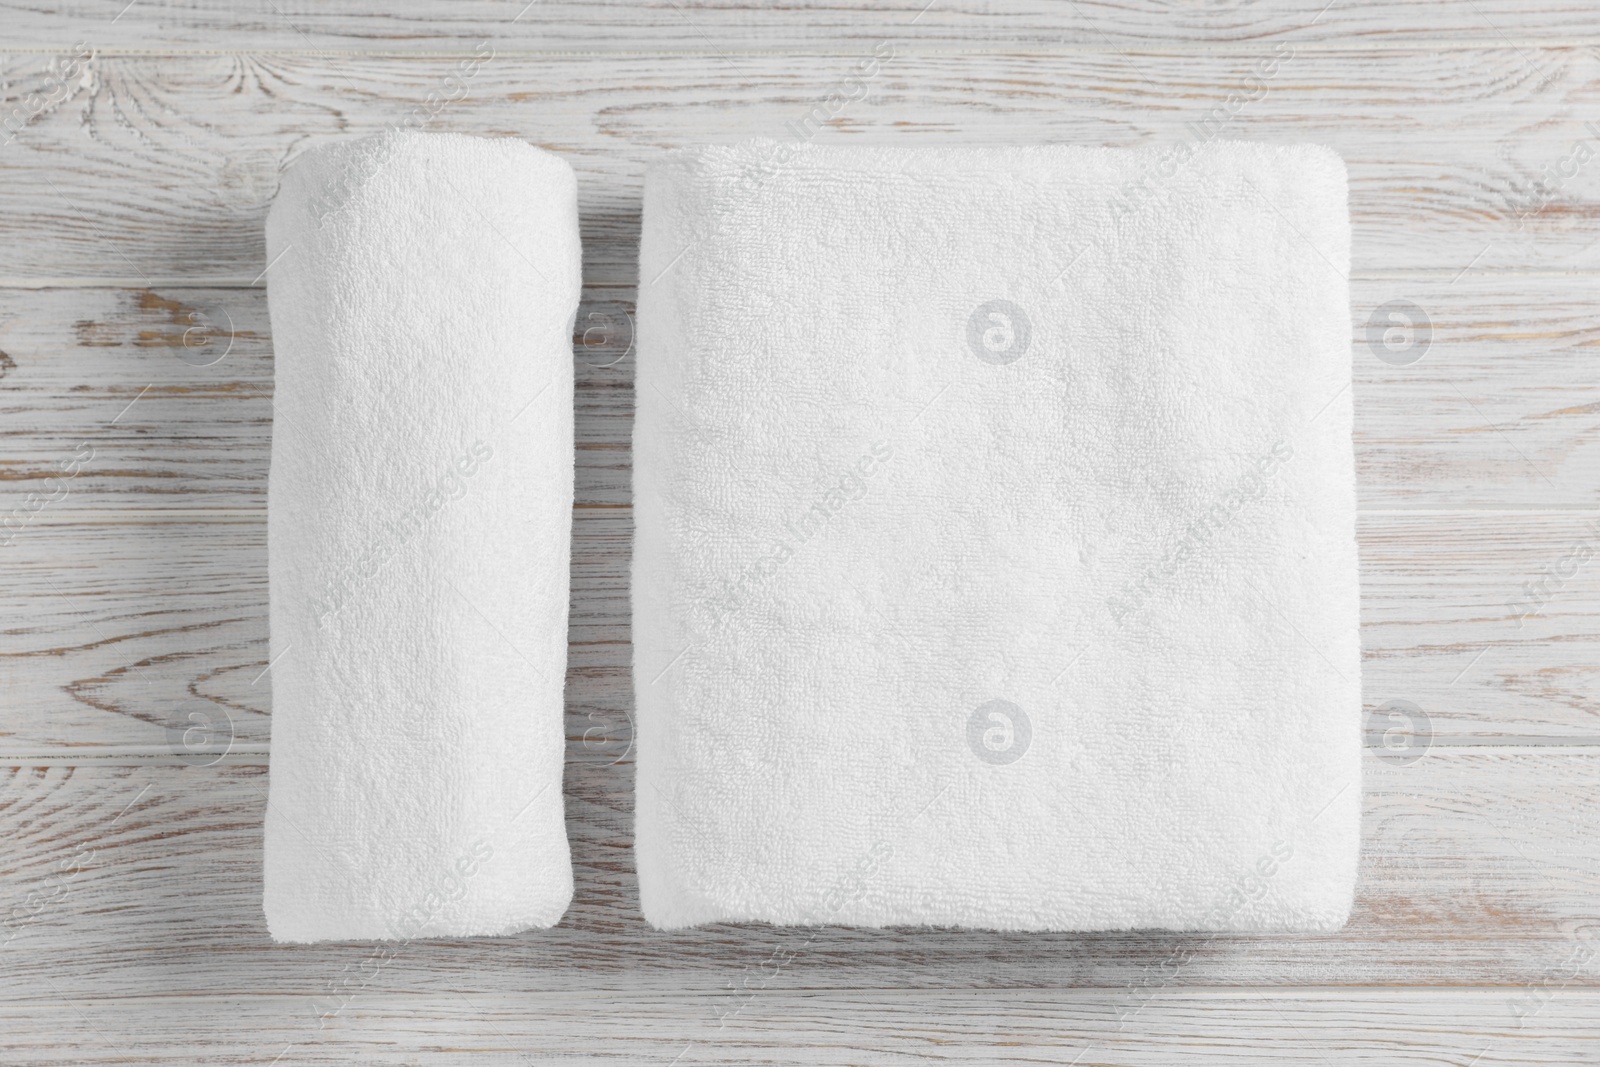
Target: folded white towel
[996, 559]
[422, 292]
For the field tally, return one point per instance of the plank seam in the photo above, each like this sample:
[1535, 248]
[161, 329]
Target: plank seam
[850, 48]
[201, 281]
[259, 755]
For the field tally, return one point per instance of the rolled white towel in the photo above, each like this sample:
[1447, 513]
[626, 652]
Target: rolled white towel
[422, 291]
[995, 559]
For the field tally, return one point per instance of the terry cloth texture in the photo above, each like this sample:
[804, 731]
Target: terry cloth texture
[995, 561]
[422, 292]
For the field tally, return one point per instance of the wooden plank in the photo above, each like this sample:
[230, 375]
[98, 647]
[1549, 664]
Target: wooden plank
[166, 395]
[705, 25]
[1450, 624]
[148, 168]
[144, 881]
[130, 928]
[1496, 412]
[163, 616]
[120, 626]
[1314, 1028]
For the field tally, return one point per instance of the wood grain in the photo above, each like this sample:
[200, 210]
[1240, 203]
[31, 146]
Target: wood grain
[726, 25]
[171, 390]
[160, 611]
[1494, 414]
[133, 350]
[147, 169]
[143, 880]
[1313, 1028]
[123, 624]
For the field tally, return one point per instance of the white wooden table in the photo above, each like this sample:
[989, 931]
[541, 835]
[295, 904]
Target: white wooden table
[136, 384]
